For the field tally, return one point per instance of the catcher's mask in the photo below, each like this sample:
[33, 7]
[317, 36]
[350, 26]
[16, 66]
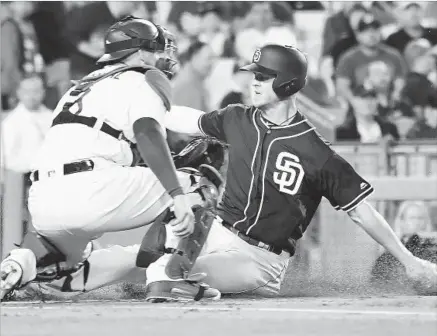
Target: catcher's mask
[132, 34]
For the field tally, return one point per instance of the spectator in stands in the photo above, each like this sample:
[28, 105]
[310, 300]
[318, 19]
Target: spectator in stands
[185, 17]
[20, 48]
[240, 92]
[188, 85]
[283, 29]
[48, 20]
[11, 55]
[413, 217]
[419, 95]
[363, 122]
[260, 16]
[24, 129]
[338, 35]
[215, 30]
[353, 66]
[93, 18]
[379, 79]
[411, 20]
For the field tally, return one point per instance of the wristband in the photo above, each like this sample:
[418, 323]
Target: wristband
[176, 192]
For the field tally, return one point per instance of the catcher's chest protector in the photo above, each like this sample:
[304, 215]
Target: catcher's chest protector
[156, 79]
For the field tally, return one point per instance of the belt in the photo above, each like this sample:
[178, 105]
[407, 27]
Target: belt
[66, 169]
[252, 241]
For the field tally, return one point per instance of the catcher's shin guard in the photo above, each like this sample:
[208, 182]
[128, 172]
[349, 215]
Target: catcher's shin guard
[183, 258]
[153, 244]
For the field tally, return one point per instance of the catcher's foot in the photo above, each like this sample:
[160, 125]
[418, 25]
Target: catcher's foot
[11, 274]
[180, 291]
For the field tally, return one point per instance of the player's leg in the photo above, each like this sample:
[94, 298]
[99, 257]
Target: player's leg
[229, 265]
[233, 266]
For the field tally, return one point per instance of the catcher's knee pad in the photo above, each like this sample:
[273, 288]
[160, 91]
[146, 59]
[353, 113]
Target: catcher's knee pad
[184, 256]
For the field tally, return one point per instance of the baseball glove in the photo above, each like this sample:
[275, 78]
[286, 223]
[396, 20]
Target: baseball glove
[198, 151]
[201, 151]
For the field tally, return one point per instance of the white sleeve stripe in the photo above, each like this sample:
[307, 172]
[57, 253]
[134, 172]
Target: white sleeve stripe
[199, 123]
[358, 200]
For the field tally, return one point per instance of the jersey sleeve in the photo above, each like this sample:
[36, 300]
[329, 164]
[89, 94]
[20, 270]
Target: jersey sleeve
[344, 188]
[213, 123]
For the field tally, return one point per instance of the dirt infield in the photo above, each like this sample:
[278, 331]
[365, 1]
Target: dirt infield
[268, 317]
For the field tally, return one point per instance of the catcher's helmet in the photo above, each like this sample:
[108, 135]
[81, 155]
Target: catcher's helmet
[131, 34]
[288, 64]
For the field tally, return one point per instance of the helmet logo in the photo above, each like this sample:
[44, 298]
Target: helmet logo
[257, 55]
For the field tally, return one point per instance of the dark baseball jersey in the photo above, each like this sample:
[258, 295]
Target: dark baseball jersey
[277, 175]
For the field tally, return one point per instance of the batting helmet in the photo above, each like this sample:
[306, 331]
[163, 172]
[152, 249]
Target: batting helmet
[287, 64]
[131, 34]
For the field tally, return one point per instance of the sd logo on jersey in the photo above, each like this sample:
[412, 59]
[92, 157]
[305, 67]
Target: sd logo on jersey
[290, 173]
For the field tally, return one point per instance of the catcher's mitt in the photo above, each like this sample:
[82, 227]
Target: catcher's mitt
[198, 151]
[201, 151]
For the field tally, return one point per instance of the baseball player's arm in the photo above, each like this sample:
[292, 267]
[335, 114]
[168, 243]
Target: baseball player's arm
[347, 190]
[183, 119]
[187, 120]
[371, 221]
[146, 114]
[423, 273]
[154, 150]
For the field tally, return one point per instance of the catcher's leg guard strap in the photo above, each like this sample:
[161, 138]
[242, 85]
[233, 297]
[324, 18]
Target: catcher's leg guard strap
[47, 255]
[51, 264]
[182, 260]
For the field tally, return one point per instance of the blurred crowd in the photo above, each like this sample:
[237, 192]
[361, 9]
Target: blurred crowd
[378, 59]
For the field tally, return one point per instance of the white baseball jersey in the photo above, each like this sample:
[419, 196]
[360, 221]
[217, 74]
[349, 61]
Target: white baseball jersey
[119, 101]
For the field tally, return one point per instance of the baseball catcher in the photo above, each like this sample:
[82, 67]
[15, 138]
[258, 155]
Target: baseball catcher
[86, 181]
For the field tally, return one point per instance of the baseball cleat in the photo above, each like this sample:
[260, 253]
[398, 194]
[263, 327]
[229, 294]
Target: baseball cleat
[11, 274]
[180, 291]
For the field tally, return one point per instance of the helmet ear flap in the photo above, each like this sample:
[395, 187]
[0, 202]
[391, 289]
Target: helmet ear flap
[289, 88]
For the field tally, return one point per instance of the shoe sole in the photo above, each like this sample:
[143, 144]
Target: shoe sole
[165, 292]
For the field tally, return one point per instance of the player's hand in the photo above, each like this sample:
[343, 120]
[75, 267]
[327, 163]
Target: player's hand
[423, 273]
[183, 225]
